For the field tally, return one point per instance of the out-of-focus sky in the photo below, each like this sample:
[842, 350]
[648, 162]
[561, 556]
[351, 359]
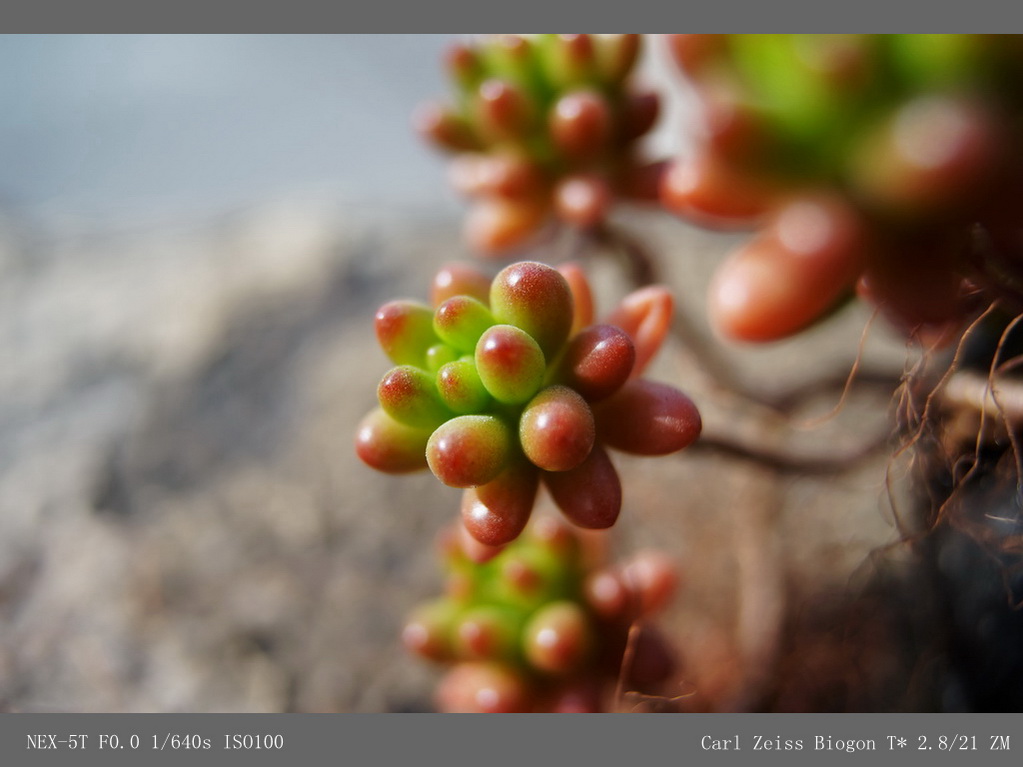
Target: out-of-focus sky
[120, 127]
[129, 125]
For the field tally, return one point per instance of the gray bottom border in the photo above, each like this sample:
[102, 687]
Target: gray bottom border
[512, 739]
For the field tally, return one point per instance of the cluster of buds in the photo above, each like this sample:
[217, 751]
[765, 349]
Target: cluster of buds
[502, 384]
[883, 165]
[544, 128]
[543, 626]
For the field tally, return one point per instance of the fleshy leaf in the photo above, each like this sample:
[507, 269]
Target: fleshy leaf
[483, 687]
[647, 418]
[590, 495]
[510, 364]
[557, 429]
[461, 389]
[582, 295]
[460, 321]
[390, 446]
[536, 298]
[646, 315]
[580, 124]
[428, 630]
[488, 632]
[409, 395]
[495, 513]
[469, 450]
[558, 638]
[456, 279]
[598, 361]
[405, 331]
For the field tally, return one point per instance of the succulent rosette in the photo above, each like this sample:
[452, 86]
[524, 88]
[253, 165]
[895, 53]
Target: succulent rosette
[502, 385]
[542, 626]
[543, 127]
[883, 165]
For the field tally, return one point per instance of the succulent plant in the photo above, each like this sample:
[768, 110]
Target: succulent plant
[543, 625]
[888, 165]
[502, 384]
[542, 127]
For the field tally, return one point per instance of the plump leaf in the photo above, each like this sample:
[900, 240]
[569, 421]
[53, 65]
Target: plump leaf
[646, 315]
[405, 331]
[557, 429]
[647, 418]
[598, 361]
[497, 512]
[409, 395]
[510, 364]
[536, 298]
[469, 450]
[390, 446]
[590, 495]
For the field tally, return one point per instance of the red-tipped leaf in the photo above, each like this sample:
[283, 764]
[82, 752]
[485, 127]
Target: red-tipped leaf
[647, 418]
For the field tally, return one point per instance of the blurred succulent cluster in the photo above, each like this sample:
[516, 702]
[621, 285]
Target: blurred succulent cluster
[502, 383]
[544, 625]
[542, 127]
[885, 164]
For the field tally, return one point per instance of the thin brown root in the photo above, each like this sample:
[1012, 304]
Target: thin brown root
[1013, 437]
[904, 411]
[628, 658]
[639, 698]
[975, 392]
[942, 508]
[813, 423]
[953, 366]
[863, 376]
[1009, 365]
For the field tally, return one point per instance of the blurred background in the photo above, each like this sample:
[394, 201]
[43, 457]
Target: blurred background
[195, 232]
[188, 225]
[116, 127]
